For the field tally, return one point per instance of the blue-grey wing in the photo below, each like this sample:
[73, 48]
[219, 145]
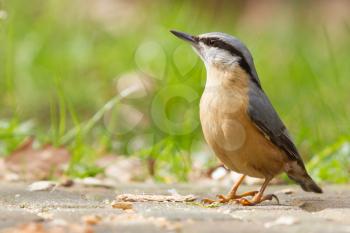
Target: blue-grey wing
[264, 116]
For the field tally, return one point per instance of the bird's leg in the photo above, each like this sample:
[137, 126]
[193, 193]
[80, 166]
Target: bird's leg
[232, 194]
[258, 198]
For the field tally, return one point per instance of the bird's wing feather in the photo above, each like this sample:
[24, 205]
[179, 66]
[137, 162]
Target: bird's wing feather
[266, 119]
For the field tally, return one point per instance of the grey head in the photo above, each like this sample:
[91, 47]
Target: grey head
[221, 50]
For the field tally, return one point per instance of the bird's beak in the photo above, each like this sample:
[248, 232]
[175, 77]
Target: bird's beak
[185, 37]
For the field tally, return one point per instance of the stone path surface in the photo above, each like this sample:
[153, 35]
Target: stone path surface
[89, 209]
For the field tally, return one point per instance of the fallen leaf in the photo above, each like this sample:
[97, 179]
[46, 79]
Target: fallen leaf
[122, 205]
[32, 164]
[156, 198]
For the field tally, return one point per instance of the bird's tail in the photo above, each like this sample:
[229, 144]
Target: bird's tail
[300, 176]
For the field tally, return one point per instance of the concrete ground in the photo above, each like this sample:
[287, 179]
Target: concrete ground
[88, 210]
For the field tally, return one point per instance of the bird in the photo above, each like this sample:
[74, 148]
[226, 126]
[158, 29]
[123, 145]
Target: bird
[239, 121]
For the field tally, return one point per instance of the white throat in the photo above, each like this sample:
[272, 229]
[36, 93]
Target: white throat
[218, 75]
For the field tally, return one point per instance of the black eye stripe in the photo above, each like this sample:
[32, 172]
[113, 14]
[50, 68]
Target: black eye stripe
[216, 42]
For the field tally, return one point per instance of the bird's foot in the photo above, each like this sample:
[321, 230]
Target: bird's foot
[257, 199]
[228, 198]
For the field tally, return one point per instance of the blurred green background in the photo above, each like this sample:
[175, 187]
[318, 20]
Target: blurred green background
[65, 64]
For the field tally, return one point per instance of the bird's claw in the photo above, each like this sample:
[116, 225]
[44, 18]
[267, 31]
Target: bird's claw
[256, 200]
[222, 199]
[273, 196]
[244, 201]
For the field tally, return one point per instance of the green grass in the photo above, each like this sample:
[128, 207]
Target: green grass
[60, 62]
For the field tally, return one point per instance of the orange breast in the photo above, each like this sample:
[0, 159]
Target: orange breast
[227, 128]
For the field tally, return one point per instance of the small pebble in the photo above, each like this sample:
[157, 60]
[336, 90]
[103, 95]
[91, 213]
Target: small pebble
[41, 186]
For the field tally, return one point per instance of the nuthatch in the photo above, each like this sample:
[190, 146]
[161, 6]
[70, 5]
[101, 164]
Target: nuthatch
[238, 120]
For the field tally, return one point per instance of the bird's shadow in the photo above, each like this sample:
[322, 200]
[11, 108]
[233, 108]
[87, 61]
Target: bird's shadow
[315, 204]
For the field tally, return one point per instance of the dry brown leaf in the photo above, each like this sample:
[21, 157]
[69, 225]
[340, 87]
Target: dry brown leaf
[32, 163]
[122, 205]
[157, 198]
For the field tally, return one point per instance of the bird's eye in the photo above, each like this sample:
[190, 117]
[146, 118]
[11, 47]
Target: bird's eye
[210, 42]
